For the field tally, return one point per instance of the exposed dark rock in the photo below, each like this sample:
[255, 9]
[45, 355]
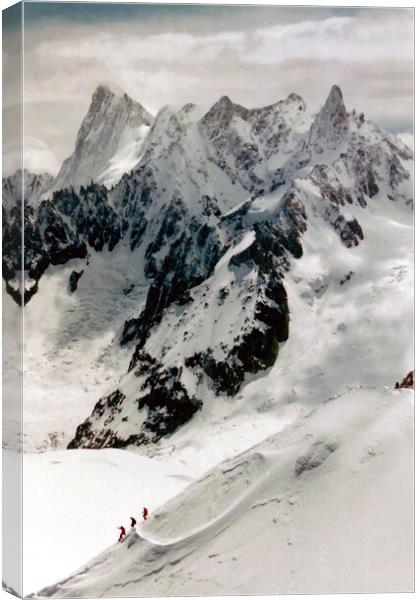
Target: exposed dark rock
[346, 278]
[184, 298]
[86, 437]
[407, 382]
[181, 269]
[223, 294]
[59, 230]
[162, 394]
[227, 375]
[169, 405]
[255, 350]
[350, 231]
[74, 280]
[128, 289]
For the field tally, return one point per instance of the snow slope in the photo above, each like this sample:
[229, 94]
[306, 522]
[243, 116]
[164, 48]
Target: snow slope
[93, 492]
[89, 495]
[320, 507]
[126, 157]
[75, 356]
[408, 139]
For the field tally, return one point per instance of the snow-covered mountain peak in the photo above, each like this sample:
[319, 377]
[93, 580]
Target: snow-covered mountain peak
[109, 88]
[105, 108]
[293, 97]
[221, 113]
[293, 100]
[109, 141]
[331, 124]
[335, 99]
[31, 186]
[225, 103]
[105, 95]
[101, 93]
[293, 111]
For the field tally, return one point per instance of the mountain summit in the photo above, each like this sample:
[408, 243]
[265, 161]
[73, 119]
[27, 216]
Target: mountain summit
[331, 124]
[108, 141]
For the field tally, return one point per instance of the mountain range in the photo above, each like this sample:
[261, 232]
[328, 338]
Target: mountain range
[212, 209]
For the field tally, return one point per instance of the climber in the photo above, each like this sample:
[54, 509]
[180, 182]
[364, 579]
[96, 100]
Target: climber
[145, 514]
[122, 534]
[133, 521]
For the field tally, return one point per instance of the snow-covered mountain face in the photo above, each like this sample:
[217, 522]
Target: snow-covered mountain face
[108, 143]
[209, 231]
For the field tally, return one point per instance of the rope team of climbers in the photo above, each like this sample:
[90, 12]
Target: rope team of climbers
[123, 533]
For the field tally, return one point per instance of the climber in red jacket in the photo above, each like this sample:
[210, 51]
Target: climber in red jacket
[145, 514]
[122, 534]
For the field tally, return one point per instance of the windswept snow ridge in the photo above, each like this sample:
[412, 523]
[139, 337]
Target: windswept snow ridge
[304, 511]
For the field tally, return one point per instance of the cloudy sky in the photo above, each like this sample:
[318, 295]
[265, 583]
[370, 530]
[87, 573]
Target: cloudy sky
[173, 54]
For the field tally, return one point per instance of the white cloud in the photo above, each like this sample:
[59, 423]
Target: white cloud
[38, 158]
[347, 39]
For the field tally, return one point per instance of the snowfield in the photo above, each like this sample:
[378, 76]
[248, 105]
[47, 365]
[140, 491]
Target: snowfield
[75, 356]
[322, 506]
[89, 495]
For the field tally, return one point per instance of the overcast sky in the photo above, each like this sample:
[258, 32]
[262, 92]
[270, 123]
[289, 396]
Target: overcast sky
[173, 54]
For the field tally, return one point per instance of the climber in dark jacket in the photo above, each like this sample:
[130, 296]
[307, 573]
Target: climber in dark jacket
[122, 534]
[133, 521]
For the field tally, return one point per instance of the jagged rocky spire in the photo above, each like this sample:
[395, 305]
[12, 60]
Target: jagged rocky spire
[331, 124]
